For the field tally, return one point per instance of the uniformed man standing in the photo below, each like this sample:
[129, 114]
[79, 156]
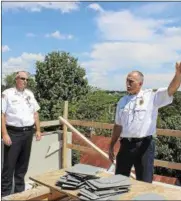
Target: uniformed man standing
[19, 120]
[135, 123]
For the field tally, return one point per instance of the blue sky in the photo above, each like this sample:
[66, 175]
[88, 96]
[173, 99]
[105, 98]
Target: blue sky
[109, 38]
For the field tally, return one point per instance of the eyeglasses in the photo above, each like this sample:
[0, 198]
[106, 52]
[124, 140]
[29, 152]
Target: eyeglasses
[23, 78]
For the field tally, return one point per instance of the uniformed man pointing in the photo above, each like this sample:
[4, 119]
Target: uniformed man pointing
[135, 124]
[19, 121]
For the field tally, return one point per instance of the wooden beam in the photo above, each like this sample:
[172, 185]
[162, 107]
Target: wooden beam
[169, 132]
[74, 130]
[31, 194]
[160, 163]
[64, 150]
[56, 195]
[49, 123]
[81, 148]
[162, 132]
[91, 124]
[167, 164]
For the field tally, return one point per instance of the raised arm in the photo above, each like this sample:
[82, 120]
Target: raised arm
[175, 83]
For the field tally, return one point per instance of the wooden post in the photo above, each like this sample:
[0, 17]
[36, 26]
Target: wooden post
[64, 148]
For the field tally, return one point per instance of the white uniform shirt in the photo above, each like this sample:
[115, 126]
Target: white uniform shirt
[19, 107]
[138, 113]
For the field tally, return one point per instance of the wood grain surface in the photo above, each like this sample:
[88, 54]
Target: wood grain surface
[137, 188]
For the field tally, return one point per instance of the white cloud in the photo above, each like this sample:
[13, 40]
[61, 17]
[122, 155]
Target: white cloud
[131, 42]
[172, 31]
[112, 56]
[34, 6]
[5, 48]
[96, 7]
[124, 25]
[58, 35]
[118, 81]
[31, 35]
[23, 62]
[154, 8]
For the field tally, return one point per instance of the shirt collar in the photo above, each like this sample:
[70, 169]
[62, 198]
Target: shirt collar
[19, 92]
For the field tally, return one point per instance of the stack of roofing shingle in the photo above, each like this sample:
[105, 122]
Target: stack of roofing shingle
[92, 187]
[108, 188]
[77, 175]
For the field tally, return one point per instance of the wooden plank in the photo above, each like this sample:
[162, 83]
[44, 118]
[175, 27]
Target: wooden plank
[160, 163]
[54, 195]
[50, 179]
[137, 188]
[87, 141]
[167, 164]
[163, 132]
[49, 123]
[64, 147]
[91, 124]
[169, 132]
[31, 194]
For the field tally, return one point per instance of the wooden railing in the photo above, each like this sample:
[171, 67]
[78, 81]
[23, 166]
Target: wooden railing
[91, 149]
[161, 132]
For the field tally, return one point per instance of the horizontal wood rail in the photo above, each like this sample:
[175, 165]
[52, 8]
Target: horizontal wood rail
[49, 123]
[160, 132]
[157, 163]
[167, 164]
[92, 124]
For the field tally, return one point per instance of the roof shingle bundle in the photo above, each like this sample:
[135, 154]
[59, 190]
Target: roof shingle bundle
[77, 175]
[108, 188]
[92, 187]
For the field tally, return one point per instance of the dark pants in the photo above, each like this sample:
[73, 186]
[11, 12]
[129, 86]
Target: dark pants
[16, 161]
[140, 154]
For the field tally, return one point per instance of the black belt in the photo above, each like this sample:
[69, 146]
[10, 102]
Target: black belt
[25, 128]
[138, 139]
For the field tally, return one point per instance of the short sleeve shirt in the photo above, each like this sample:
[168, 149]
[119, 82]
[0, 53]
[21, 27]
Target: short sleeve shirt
[137, 114]
[19, 107]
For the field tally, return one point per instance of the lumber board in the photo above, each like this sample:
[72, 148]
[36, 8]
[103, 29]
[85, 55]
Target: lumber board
[137, 188]
[31, 194]
[167, 164]
[160, 132]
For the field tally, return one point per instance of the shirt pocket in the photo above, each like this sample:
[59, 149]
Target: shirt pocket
[14, 106]
[31, 105]
[140, 112]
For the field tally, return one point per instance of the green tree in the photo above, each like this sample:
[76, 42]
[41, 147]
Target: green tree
[169, 148]
[97, 105]
[59, 77]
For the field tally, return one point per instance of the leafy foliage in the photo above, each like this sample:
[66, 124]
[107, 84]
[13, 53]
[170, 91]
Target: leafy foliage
[58, 78]
[169, 148]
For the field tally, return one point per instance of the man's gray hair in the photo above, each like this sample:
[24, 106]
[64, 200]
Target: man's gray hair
[140, 75]
[21, 71]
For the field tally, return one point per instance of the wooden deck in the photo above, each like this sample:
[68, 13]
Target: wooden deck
[137, 188]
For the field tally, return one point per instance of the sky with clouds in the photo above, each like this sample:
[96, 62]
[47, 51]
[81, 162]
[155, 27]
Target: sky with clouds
[109, 39]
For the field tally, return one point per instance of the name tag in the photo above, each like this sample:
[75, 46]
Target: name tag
[14, 102]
